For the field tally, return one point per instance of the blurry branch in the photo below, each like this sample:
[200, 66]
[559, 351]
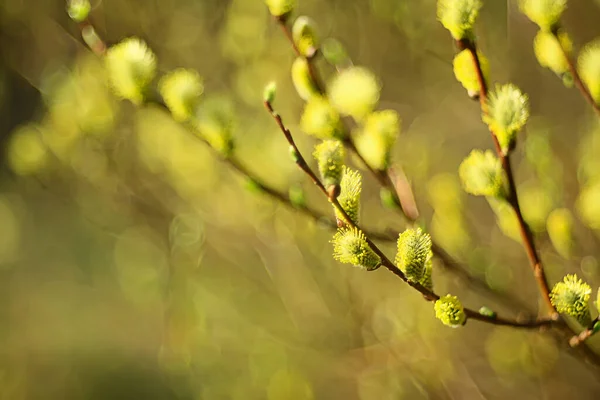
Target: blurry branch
[513, 200]
[386, 180]
[428, 294]
[585, 92]
[99, 47]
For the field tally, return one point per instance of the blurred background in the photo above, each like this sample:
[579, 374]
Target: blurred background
[134, 264]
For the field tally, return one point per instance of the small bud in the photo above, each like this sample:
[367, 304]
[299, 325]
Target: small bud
[349, 198]
[354, 92]
[280, 8]
[458, 16]
[131, 68]
[387, 198]
[181, 90]
[350, 247]
[302, 80]
[269, 92]
[450, 311]
[297, 197]
[589, 68]
[335, 54]
[466, 72]
[596, 328]
[414, 253]
[487, 312]
[330, 158]
[378, 135]
[294, 154]
[571, 297]
[321, 120]
[545, 13]
[91, 39]
[549, 51]
[253, 187]
[79, 10]
[482, 175]
[508, 111]
[215, 122]
[560, 229]
[305, 36]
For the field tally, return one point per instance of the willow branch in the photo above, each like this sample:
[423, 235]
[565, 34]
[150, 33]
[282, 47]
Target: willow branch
[585, 92]
[584, 335]
[513, 200]
[429, 295]
[99, 48]
[384, 180]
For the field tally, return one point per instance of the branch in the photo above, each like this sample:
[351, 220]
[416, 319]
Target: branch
[576, 78]
[389, 265]
[585, 334]
[384, 180]
[526, 235]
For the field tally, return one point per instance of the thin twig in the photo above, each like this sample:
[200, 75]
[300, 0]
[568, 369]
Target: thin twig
[526, 235]
[429, 295]
[584, 335]
[576, 78]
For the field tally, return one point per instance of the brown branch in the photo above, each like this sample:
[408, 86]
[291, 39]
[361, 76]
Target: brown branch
[576, 78]
[526, 235]
[584, 335]
[429, 295]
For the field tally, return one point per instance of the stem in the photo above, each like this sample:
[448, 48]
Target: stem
[526, 235]
[584, 335]
[576, 78]
[427, 294]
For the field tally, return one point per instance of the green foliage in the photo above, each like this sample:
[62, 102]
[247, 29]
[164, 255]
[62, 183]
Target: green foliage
[550, 52]
[571, 297]
[414, 254]
[589, 68]
[458, 16]
[350, 247]
[545, 13]
[181, 90]
[330, 159]
[349, 198]
[305, 36]
[465, 70]
[482, 175]
[78, 10]
[321, 120]
[280, 8]
[131, 68]
[303, 82]
[377, 137]
[560, 229]
[450, 311]
[354, 92]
